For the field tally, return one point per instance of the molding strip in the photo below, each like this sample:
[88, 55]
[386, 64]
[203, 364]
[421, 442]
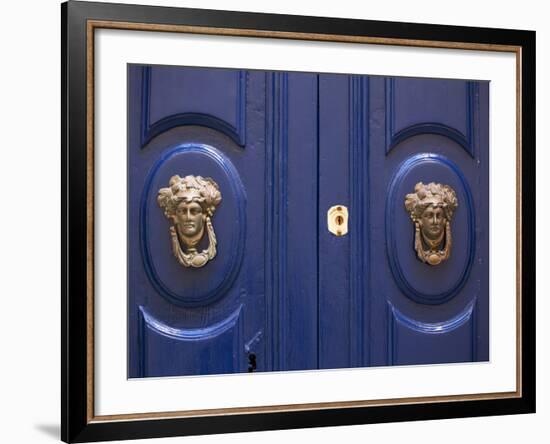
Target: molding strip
[276, 214]
[359, 220]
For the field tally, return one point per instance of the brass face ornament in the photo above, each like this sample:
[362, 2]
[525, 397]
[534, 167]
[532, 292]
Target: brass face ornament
[189, 204]
[431, 208]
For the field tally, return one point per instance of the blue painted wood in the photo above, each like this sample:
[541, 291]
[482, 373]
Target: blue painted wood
[416, 342]
[481, 123]
[299, 318]
[285, 147]
[276, 115]
[423, 284]
[193, 334]
[431, 99]
[208, 350]
[409, 124]
[162, 110]
[188, 286]
[236, 277]
[291, 236]
[335, 313]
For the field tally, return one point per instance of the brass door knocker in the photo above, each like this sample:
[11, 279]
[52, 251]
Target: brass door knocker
[431, 208]
[189, 203]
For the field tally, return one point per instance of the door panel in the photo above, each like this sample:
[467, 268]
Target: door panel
[431, 106]
[418, 281]
[207, 350]
[295, 191]
[343, 278]
[433, 131]
[193, 286]
[194, 96]
[196, 320]
[415, 342]
[255, 134]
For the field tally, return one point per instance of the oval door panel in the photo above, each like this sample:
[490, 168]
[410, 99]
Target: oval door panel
[192, 286]
[424, 283]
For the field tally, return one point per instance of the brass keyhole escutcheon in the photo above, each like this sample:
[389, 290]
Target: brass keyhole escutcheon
[337, 220]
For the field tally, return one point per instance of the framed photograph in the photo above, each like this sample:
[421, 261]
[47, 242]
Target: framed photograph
[277, 221]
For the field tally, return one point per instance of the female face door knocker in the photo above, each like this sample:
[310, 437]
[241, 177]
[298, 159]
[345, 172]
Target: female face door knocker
[431, 208]
[189, 204]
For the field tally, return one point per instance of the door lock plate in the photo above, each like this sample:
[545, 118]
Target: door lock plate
[337, 220]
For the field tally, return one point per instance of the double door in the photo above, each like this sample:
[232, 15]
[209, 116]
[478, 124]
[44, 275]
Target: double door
[281, 291]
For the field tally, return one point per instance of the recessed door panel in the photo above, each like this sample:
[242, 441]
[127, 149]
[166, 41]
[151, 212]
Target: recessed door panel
[416, 342]
[169, 351]
[192, 286]
[438, 283]
[193, 96]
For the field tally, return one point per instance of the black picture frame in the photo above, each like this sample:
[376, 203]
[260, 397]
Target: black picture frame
[78, 423]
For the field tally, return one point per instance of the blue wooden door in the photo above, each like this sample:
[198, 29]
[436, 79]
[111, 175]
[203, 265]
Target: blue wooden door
[242, 310]
[273, 151]
[379, 304]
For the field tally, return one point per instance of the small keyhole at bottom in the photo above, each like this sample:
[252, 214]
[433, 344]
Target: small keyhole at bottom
[339, 220]
[251, 362]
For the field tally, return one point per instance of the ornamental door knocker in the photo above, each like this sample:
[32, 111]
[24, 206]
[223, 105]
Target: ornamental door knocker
[431, 208]
[189, 204]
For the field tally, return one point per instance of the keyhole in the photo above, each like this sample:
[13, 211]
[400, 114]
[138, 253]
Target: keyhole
[337, 220]
[251, 362]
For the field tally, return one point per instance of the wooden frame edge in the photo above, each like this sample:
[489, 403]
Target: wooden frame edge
[236, 32]
[105, 24]
[90, 184]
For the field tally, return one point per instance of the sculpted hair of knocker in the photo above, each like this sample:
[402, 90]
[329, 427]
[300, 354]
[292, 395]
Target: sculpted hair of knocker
[431, 208]
[189, 204]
